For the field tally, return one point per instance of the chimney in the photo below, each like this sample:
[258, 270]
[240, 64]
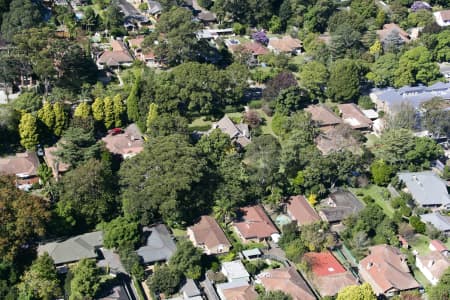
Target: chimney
[369, 265]
[431, 263]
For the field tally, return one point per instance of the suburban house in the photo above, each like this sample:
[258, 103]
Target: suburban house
[159, 245]
[73, 249]
[337, 139]
[392, 29]
[147, 56]
[213, 34]
[208, 235]
[427, 189]
[339, 206]
[236, 290]
[437, 245]
[191, 291]
[328, 275]
[389, 99]
[285, 45]
[126, 143]
[323, 116]
[235, 271]
[154, 8]
[387, 271]
[442, 17]
[239, 133]
[207, 18]
[254, 49]
[439, 221]
[53, 162]
[433, 265]
[23, 166]
[253, 225]
[299, 210]
[287, 280]
[354, 117]
[115, 57]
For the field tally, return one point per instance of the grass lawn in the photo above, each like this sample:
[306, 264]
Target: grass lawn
[371, 140]
[200, 122]
[267, 127]
[420, 277]
[420, 243]
[376, 192]
[178, 233]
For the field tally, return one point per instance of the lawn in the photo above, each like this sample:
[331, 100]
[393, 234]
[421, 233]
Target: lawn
[179, 233]
[267, 127]
[200, 122]
[420, 277]
[376, 192]
[371, 140]
[420, 243]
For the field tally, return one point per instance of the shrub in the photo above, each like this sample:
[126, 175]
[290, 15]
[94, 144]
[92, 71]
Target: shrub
[255, 104]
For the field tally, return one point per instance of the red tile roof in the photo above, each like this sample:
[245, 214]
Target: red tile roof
[208, 232]
[287, 280]
[438, 245]
[285, 44]
[252, 47]
[246, 292]
[254, 223]
[323, 263]
[299, 208]
[323, 115]
[353, 116]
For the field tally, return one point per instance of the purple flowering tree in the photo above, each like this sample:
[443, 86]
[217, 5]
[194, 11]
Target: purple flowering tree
[260, 37]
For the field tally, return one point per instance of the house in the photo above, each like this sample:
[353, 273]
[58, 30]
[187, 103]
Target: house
[287, 280]
[420, 5]
[437, 245]
[236, 290]
[23, 166]
[73, 249]
[53, 162]
[117, 57]
[147, 56]
[253, 49]
[213, 34]
[208, 235]
[328, 275]
[299, 210]
[392, 29]
[433, 265]
[207, 18]
[190, 290]
[235, 271]
[387, 271]
[389, 99]
[339, 206]
[251, 254]
[323, 116]
[285, 45]
[126, 143]
[426, 188]
[253, 224]
[442, 18]
[159, 245]
[154, 8]
[239, 133]
[354, 117]
[337, 139]
[441, 222]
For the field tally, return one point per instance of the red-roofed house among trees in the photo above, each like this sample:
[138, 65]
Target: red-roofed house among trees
[299, 209]
[328, 275]
[253, 224]
[207, 234]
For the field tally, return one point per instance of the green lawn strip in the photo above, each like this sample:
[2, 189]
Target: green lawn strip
[267, 127]
[138, 288]
[371, 140]
[420, 243]
[420, 277]
[376, 193]
[178, 233]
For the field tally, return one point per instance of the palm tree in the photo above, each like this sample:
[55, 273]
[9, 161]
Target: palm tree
[224, 210]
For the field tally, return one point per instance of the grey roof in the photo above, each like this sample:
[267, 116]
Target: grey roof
[159, 245]
[439, 221]
[232, 284]
[251, 252]
[427, 188]
[413, 95]
[154, 7]
[73, 249]
[240, 132]
[115, 293]
[235, 269]
[190, 289]
[343, 204]
[227, 126]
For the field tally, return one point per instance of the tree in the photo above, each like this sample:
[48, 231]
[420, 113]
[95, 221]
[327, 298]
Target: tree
[167, 124]
[381, 172]
[109, 112]
[357, 292]
[382, 71]
[132, 262]
[187, 259]
[83, 110]
[86, 194]
[23, 14]
[23, 217]
[162, 181]
[291, 100]
[113, 17]
[41, 280]
[280, 82]
[119, 110]
[77, 146]
[132, 101]
[60, 118]
[28, 102]
[47, 116]
[152, 115]
[29, 136]
[416, 66]
[313, 77]
[164, 280]
[417, 224]
[274, 295]
[442, 289]
[344, 84]
[120, 233]
[86, 280]
[402, 115]
[98, 110]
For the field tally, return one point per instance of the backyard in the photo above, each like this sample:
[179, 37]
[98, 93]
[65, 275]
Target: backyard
[378, 194]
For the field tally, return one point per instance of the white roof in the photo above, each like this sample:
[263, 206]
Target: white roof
[370, 113]
[235, 269]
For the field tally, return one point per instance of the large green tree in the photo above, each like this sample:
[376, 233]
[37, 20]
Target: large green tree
[187, 259]
[313, 77]
[163, 180]
[77, 146]
[22, 14]
[442, 289]
[86, 280]
[357, 292]
[29, 132]
[344, 82]
[120, 233]
[41, 280]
